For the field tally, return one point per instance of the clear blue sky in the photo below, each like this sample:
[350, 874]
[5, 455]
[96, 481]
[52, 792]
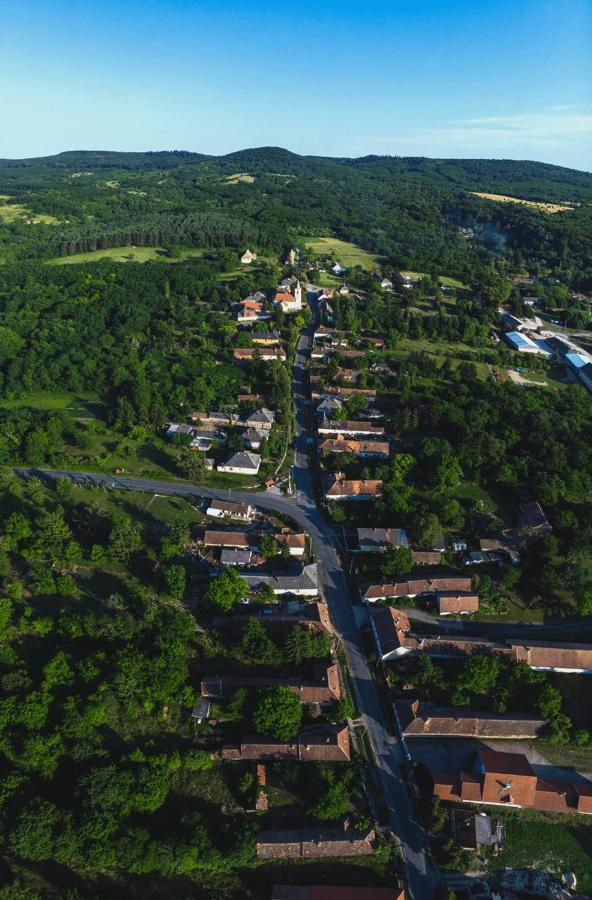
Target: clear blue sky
[505, 78]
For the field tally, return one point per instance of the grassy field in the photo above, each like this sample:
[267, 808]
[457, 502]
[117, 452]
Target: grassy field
[348, 254]
[534, 204]
[77, 407]
[147, 507]
[443, 279]
[544, 841]
[123, 255]
[11, 211]
[439, 350]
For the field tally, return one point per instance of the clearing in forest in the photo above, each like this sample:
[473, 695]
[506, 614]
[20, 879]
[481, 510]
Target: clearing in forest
[124, 255]
[240, 176]
[534, 204]
[346, 253]
[11, 211]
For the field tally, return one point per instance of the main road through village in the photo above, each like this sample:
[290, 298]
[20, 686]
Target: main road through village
[421, 873]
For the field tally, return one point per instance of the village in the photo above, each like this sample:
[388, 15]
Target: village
[415, 599]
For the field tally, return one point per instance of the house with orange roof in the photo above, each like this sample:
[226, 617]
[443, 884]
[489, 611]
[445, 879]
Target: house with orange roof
[343, 489]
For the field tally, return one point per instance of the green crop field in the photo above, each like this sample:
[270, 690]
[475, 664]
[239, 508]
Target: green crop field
[348, 254]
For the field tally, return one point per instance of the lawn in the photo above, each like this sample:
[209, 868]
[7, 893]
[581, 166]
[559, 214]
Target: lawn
[545, 841]
[348, 254]
[534, 204]
[125, 254]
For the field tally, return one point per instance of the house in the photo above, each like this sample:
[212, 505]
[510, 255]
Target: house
[212, 420]
[254, 437]
[533, 519]
[323, 333]
[242, 463]
[247, 354]
[289, 301]
[412, 588]
[386, 284]
[361, 449]
[389, 628]
[544, 656]
[296, 542]
[350, 429]
[248, 257]
[266, 338]
[314, 616]
[259, 418]
[344, 490]
[456, 603]
[324, 691]
[303, 583]
[252, 310]
[374, 540]
[426, 557]
[220, 509]
[508, 779]
[230, 557]
[331, 892]
[309, 844]
[419, 718]
[317, 743]
[175, 428]
[236, 540]
[338, 269]
[328, 405]
[203, 438]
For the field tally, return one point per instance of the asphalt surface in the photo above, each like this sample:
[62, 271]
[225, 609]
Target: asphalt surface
[421, 873]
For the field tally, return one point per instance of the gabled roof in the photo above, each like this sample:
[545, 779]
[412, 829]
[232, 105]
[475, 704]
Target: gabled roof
[419, 717]
[378, 538]
[244, 459]
[342, 487]
[238, 539]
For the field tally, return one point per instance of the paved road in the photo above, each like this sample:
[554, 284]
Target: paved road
[421, 873]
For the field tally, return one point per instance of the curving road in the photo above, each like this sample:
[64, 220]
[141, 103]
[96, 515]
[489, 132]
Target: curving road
[421, 873]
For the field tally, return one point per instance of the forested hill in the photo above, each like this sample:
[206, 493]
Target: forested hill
[525, 176]
[407, 211]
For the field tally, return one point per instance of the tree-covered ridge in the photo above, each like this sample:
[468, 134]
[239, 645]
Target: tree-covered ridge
[406, 210]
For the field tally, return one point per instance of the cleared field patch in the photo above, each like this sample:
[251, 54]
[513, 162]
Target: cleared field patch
[124, 255]
[9, 212]
[348, 254]
[72, 404]
[443, 279]
[240, 176]
[534, 204]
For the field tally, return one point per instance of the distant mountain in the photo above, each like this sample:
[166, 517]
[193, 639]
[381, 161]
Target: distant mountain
[523, 178]
[106, 159]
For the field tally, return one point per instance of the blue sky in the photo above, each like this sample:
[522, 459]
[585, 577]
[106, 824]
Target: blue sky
[405, 77]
